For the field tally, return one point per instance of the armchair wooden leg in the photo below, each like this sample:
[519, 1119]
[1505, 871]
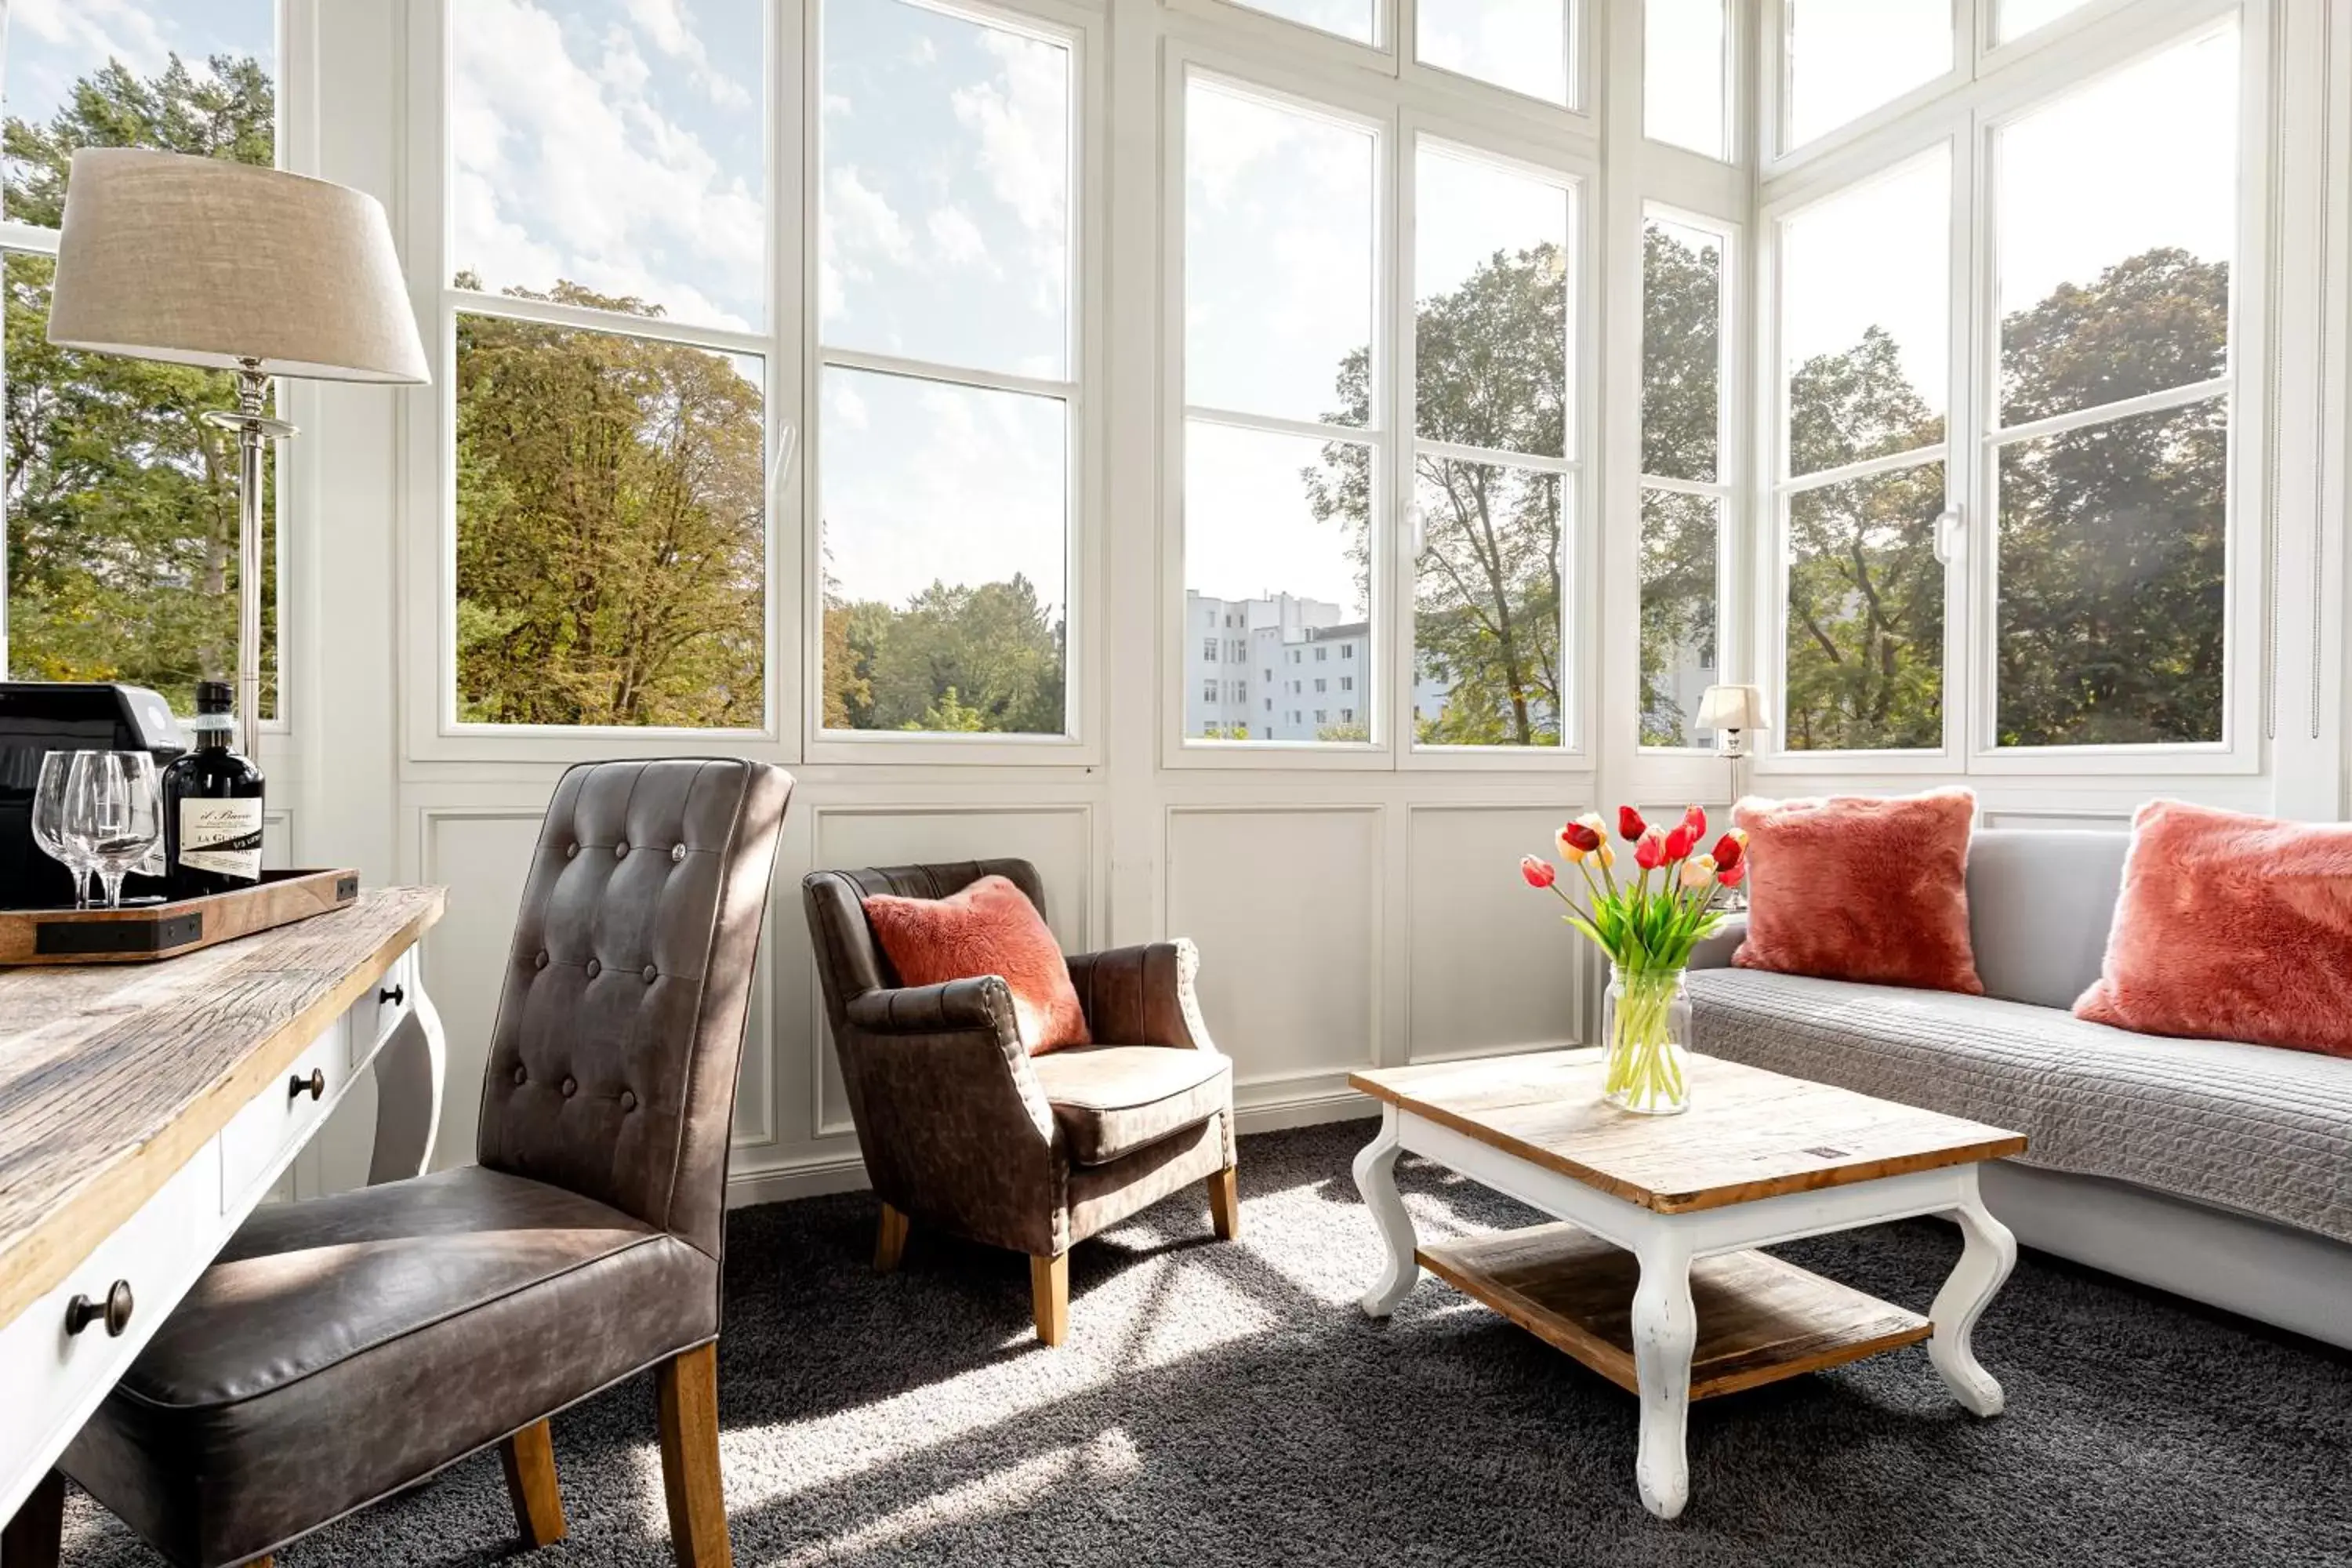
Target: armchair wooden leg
[890, 1240]
[528, 1458]
[1226, 1204]
[1049, 1291]
[37, 1535]
[688, 1390]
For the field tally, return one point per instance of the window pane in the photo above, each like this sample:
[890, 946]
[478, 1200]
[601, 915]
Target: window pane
[945, 190]
[946, 539]
[1522, 45]
[1490, 266]
[1866, 307]
[1279, 237]
[1486, 605]
[1865, 626]
[610, 529]
[2112, 541]
[123, 515]
[613, 155]
[1276, 537]
[1683, 76]
[1348, 18]
[1848, 57]
[193, 76]
[122, 504]
[2115, 222]
[1682, 351]
[1680, 535]
[2015, 18]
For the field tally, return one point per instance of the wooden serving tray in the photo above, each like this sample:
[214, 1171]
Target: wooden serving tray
[141, 933]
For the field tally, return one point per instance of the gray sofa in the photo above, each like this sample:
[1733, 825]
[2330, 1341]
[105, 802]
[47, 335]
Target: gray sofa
[2216, 1170]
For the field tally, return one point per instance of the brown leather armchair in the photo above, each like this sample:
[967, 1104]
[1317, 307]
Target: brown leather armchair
[344, 1348]
[963, 1130]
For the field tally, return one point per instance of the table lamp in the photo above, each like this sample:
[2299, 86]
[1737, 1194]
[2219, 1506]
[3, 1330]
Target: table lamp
[1734, 712]
[206, 262]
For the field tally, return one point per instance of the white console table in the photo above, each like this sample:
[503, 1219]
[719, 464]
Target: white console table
[146, 1109]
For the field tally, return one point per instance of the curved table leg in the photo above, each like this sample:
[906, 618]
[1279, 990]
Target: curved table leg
[409, 1072]
[1986, 1255]
[1666, 1333]
[1376, 1179]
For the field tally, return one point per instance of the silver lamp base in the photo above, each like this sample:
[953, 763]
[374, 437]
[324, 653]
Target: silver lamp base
[254, 428]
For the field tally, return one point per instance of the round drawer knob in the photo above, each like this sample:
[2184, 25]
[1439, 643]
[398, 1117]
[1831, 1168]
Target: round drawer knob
[114, 1311]
[315, 1085]
[393, 997]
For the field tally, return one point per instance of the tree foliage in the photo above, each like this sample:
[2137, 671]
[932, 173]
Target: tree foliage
[1681, 401]
[969, 659]
[121, 502]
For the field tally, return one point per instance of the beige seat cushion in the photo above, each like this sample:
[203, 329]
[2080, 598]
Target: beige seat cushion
[1111, 1101]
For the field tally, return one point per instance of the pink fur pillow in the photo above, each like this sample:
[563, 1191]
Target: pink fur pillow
[990, 928]
[1852, 887]
[2232, 927]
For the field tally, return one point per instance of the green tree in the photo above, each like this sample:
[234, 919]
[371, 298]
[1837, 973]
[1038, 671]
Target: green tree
[989, 657]
[611, 531]
[121, 502]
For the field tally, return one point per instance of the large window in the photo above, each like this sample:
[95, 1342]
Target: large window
[1687, 60]
[121, 503]
[946, 334]
[607, 223]
[1844, 57]
[1685, 489]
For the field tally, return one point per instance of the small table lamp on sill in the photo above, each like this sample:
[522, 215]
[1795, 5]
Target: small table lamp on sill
[1734, 712]
[206, 262]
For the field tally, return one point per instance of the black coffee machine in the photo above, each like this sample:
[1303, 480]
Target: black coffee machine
[38, 716]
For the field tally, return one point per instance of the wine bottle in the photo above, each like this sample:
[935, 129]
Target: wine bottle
[212, 805]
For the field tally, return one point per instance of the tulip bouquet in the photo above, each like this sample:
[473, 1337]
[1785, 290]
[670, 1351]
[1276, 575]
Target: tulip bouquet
[1648, 932]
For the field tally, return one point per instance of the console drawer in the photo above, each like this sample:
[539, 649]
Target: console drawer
[276, 1121]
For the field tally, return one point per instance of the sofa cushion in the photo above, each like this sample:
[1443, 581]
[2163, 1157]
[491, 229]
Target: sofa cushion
[1111, 1101]
[436, 1315]
[2242, 1127]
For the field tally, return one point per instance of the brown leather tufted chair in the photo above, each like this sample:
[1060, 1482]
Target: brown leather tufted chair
[962, 1129]
[344, 1348]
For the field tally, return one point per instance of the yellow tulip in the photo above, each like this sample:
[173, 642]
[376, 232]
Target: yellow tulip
[1698, 871]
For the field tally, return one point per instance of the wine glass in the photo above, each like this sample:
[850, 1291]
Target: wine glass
[113, 808]
[50, 822]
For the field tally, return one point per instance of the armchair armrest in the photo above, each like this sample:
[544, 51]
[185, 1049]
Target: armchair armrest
[1143, 996]
[1715, 951]
[984, 1005]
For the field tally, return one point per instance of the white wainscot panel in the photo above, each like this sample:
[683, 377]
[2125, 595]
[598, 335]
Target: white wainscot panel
[1056, 839]
[481, 856]
[1490, 964]
[1286, 908]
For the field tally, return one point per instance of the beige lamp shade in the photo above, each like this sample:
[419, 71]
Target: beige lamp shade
[1739, 707]
[201, 261]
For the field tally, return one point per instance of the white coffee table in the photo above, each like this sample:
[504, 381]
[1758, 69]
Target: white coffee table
[1651, 1280]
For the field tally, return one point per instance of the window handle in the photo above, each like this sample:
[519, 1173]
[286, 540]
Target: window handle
[1950, 535]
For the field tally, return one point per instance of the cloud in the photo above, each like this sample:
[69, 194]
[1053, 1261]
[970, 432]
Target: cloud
[101, 29]
[957, 240]
[1022, 121]
[561, 169]
[667, 25]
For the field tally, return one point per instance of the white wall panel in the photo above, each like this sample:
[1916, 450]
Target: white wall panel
[481, 855]
[1491, 965]
[1286, 906]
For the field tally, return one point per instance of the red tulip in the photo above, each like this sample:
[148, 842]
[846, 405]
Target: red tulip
[1630, 825]
[1539, 873]
[1682, 841]
[1580, 837]
[1730, 875]
[1650, 852]
[1696, 820]
[1727, 851]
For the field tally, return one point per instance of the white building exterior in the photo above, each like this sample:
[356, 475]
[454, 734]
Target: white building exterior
[1281, 668]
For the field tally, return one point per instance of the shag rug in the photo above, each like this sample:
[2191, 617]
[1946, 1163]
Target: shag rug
[1228, 1405]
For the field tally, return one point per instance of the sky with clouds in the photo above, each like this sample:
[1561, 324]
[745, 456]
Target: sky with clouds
[52, 44]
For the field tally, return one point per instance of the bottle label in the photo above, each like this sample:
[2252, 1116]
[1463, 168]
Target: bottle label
[222, 836]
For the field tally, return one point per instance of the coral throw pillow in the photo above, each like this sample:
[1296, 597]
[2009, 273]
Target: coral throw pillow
[990, 928]
[2232, 927]
[1854, 887]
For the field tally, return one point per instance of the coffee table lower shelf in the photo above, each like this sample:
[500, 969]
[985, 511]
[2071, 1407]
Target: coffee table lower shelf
[1759, 1319]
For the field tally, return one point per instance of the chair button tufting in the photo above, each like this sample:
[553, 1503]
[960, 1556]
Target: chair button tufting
[677, 853]
[594, 969]
[571, 1087]
[620, 850]
[649, 974]
[519, 1073]
[628, 1100]
[569, 851]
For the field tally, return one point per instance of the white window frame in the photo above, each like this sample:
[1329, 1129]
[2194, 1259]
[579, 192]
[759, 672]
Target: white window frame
[295, 74]
[1400, 119]
[2014, 80]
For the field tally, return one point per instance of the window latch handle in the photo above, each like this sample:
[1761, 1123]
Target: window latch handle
[1949, 537]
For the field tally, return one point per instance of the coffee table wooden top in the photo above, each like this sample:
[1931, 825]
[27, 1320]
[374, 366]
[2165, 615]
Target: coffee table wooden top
[1747, 1134]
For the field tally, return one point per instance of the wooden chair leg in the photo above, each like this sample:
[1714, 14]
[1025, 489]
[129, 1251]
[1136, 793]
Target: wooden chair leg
[890, 1240]
[35, 1536]
[687, 1389]
[1049, 1292]
[1226, 1204]
[528, 1458]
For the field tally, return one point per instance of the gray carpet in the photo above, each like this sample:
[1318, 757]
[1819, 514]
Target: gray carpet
[1223, 1405]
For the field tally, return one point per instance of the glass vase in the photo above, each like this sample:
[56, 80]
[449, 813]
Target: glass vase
[1645, 1022]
